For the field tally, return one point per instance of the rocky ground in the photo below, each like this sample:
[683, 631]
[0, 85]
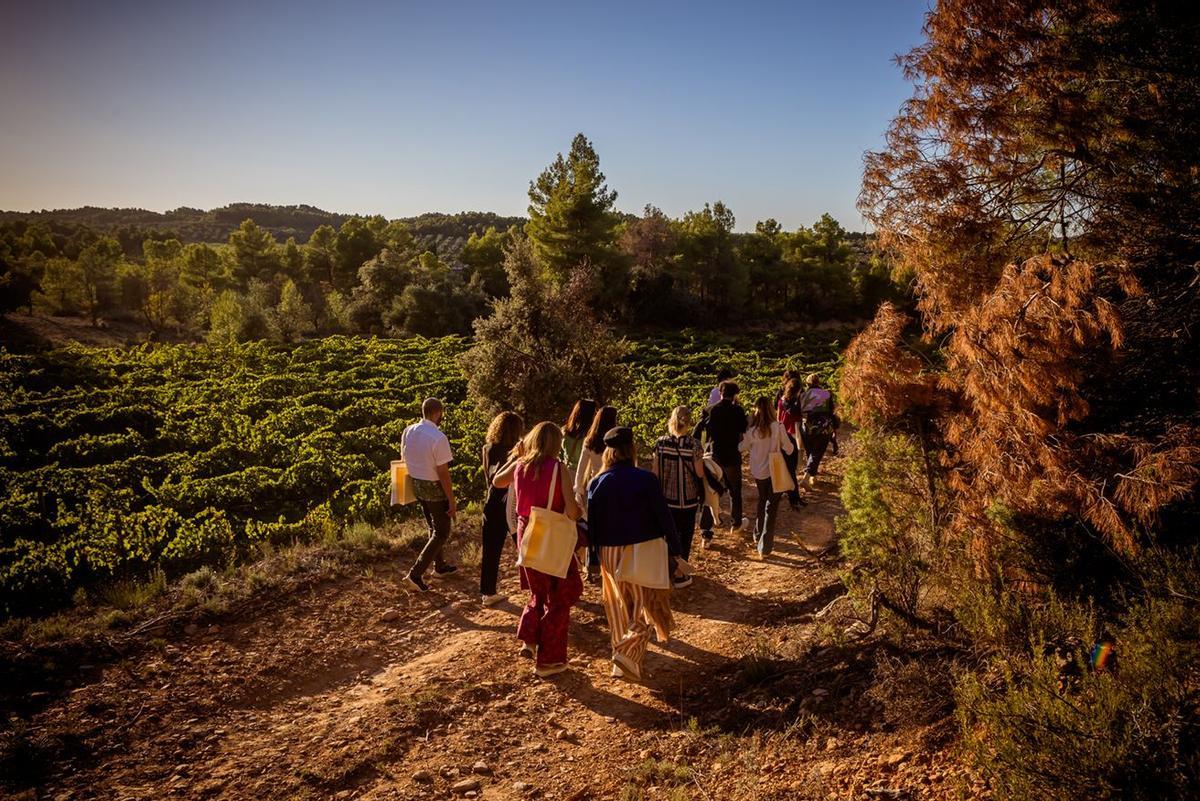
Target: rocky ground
[354, 688]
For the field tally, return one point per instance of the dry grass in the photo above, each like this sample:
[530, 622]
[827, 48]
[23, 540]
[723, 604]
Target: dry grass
[210, 592]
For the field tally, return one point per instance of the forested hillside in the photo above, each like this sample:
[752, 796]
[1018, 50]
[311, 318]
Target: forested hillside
[229, 275]
[444, 234]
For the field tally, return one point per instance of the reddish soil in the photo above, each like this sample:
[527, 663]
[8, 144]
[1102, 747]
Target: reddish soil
[356, 689]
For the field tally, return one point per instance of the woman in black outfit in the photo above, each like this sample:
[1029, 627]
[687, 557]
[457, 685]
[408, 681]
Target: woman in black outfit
[503, 434]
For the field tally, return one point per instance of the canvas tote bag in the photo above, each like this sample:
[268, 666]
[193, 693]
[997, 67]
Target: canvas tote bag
[402, 485]
[646, 564]
[781, 477]
[548, 544]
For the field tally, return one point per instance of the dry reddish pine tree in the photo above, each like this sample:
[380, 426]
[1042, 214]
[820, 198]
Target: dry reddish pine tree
[1041, 187]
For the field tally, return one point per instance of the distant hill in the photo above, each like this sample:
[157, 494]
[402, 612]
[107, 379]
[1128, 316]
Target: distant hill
[442, 233]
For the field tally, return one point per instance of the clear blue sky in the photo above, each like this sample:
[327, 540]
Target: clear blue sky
[400, 108]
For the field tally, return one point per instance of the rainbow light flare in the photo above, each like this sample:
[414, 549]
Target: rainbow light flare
[1101, 653]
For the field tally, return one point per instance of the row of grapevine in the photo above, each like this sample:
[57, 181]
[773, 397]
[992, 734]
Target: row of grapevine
[118, 461]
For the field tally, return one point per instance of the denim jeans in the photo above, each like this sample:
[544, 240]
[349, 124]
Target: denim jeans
[768, 508]
[733, 482]
[815, 444]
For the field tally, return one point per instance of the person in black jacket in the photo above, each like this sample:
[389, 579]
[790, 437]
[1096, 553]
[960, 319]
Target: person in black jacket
[724, 424]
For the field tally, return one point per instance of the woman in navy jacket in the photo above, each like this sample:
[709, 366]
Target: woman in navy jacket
[625, 507]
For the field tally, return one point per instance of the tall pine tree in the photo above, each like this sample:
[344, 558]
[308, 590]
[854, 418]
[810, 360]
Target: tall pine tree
[572, 222]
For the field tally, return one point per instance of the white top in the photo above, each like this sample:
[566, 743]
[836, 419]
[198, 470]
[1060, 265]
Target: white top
[587, 469]
[714, 397]
[424, 448]
[761, 448]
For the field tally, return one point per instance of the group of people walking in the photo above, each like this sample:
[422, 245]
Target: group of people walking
[587, 470]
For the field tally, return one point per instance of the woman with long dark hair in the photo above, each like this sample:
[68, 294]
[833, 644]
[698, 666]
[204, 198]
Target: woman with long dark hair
[575, 429]
[588, 468]
[502, 436]
[539, 479]
[765, 437]
[787, 406]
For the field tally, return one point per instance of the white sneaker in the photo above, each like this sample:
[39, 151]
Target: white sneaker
[491, 600]
[745, 526]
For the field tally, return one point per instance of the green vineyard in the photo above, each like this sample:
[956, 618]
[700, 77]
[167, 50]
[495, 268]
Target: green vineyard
[116, 462]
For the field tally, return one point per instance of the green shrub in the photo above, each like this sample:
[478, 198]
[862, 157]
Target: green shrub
[1047, 724]
[890, 531]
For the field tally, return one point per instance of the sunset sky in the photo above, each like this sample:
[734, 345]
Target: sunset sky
[401, 108]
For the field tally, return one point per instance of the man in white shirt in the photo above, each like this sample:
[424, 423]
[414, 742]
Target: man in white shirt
[426, 452]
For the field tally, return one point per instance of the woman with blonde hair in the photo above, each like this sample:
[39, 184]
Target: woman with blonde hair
[626, 509]
[819, 424]
[502, 437]
[679, 464]
[765, 437]
[539, 478]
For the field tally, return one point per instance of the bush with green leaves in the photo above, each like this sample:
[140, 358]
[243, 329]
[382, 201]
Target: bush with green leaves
[1055, 721]
[890, 531]
[542, 347]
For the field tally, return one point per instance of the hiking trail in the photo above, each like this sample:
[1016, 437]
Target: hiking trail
[355, 688]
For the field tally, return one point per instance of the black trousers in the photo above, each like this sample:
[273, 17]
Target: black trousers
[792, 460]
[437, 517]
[495, 532]
[685, 527]
[815, 443]
[707, 522]
[733, 482]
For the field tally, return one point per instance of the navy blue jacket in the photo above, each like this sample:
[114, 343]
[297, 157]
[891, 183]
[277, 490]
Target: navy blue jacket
[626, 506]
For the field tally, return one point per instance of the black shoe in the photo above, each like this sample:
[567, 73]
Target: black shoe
[445, 570]
[416, 582]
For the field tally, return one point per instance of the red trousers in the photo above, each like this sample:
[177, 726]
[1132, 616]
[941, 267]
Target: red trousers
[547, 616]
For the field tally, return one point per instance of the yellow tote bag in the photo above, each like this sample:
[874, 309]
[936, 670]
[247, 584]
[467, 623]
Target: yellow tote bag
[548, 544]
[781, 477]
[646, 564]
[402, 486]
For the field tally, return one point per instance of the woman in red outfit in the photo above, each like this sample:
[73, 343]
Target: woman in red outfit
[544, 623]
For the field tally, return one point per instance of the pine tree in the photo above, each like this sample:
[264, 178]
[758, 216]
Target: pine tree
[571, 219]
[293, 316]
[541, 348]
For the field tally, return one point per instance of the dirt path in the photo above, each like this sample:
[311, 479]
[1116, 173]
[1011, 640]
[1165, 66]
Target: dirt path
[360, 690]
